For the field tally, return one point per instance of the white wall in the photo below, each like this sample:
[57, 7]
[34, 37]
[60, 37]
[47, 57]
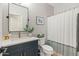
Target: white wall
[4, 19]
[39, 9]
[0, 20]
[0, 24]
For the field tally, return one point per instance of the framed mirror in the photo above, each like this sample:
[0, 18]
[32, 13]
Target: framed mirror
[18, 17]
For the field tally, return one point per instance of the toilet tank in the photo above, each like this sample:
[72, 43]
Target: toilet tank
[41, 41]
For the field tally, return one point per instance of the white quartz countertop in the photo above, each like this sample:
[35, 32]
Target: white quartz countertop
[14, 41]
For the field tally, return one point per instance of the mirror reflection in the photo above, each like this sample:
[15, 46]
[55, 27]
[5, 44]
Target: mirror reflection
[18, 16]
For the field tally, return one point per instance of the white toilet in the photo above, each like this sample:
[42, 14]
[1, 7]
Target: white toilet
[45, 50]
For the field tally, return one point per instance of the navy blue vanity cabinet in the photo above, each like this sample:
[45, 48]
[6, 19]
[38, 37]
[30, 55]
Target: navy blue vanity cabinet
[23, 49]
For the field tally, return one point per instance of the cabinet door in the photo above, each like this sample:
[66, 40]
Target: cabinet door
[24, 49]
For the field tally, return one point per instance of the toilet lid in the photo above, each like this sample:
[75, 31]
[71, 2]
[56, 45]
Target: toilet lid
[47, 47]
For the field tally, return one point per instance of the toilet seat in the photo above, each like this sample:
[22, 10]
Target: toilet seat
[47, 49]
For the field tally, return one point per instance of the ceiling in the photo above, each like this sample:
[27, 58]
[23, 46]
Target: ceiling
[64, 5]
[60, 7]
